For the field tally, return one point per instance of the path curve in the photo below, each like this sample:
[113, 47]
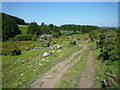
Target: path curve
[51, 78]
[87, 76]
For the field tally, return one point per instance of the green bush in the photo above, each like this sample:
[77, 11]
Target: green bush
[34, 38]
[11, 52]
[15, 52]
[45, 39]
[5, 52]
[56, 34]
[33, 29]
[23, 37]
[11, 39]
[72, 43]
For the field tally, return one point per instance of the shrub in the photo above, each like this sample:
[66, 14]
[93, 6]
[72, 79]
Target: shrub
[33, 28]
[56, 34]
[5, 52]
[23, 37]
[11, 52]
[72, 43]
[11, 39]
[45, 39]
[15, 52]
[34, 38]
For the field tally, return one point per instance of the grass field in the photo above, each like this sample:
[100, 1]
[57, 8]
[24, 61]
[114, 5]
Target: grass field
[23, 28]
[20, 71]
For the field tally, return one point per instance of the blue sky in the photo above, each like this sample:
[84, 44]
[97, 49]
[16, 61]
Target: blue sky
[59, 13]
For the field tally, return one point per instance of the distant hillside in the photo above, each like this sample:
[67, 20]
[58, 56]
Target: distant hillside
[16, 19]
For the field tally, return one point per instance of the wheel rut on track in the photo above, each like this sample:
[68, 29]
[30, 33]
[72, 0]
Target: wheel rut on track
[87, 76]
[51, 78]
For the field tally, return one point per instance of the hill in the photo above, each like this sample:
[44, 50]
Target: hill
[16, 19]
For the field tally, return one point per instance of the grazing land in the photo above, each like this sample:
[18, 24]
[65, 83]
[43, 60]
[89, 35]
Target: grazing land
[66, 56]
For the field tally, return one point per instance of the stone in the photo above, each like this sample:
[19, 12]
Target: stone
[35, 48]
[48, 77]
[52, 51]
[55, 47]
[46, 54]
[43, 60]
[59, 50]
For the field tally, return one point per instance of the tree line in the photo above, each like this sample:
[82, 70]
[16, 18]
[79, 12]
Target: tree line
[35, 29]
[16, 19]
[81, 28]
[10, 28]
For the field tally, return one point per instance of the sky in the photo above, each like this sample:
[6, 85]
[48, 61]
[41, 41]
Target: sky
[60, 0]
[59, 13]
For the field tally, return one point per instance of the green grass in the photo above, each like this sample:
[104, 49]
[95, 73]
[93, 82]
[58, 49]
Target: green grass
[70, 79]
[0, 66]
[7, 46]
[108, 68]
[23, 28]
[20, 71]
[89, 44]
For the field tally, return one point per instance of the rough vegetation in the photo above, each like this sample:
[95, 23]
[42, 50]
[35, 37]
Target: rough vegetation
[9, 28]
[29, 51]
[108, 56]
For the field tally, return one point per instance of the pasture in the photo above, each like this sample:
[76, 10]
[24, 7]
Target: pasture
[20, 71]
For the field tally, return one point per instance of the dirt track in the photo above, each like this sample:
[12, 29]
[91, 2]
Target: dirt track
[50, 78]
[87, 76]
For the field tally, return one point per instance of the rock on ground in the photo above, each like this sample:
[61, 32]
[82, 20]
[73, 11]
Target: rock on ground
[46, 54]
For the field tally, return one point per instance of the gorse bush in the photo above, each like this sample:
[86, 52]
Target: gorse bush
[72, 43]
[45, 39]
[109, 45]
[56, 34]
[12, 52]
[23, 37]
[34, 38]
[15, 52]
[107, 41]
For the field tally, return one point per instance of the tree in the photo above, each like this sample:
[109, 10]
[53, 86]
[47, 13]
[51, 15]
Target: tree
[33, 29]
[9, 27]
[16, 19]
[44, 29]
[56, 32]
[51, 26]
[42, 24]
[80, 28]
